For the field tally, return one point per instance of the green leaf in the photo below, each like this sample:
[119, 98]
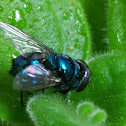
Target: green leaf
[96, 14]
[88, 110]
[52, 111]
[7, 123]
[117, 25]
[107, 88]
[61, 25]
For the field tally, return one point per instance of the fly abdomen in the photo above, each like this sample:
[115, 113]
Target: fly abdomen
[18, 65]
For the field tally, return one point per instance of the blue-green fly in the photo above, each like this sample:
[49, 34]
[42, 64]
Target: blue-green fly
[38, 67]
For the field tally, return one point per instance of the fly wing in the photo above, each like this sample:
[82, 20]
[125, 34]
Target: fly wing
[23, 42]
[35, 77]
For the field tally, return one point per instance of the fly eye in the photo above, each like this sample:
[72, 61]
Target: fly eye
[85, 76]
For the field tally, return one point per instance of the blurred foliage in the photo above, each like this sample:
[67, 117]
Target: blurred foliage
[96, 14]
[117, 25]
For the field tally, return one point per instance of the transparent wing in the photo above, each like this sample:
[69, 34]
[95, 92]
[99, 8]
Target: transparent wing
[23, 42]
[35, 77]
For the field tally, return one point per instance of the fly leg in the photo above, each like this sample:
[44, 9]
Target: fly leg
[22, 104]
[28, 93]
[65, 91]
[43, 91]
[62, 91]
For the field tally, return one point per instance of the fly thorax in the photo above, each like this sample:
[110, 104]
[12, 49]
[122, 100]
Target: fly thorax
[51, 62]
[67, 69]
[34, 58]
